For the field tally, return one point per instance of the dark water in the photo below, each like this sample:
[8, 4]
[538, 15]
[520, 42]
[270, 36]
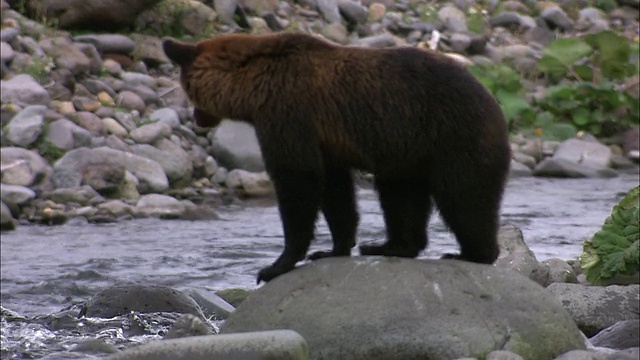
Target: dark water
[45, 269]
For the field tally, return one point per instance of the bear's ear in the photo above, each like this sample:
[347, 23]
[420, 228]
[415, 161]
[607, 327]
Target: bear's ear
[180, 53]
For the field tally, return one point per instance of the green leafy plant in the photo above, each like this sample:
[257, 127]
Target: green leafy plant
[50, 152]
[39, 67]
[615, 248]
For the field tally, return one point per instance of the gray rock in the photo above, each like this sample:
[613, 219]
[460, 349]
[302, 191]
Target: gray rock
[235, 146]
[212, 304]
[122, 299]
[114, 127]
[329, 10]
[133, 78]
[9, 34]
[83, 195]
[414, 309]
[7, 222]
[250, 184]
[95, 60]
[193, 17]
[453, 19]
[503, 355]
[149, 49]
[585, 152]
[506, 19]
[130, 100]
[187, 325]
[16, 195]
[147, 95]
[595, 308]
[377, 41]
[117, 208]
[621, 335]
[97, 86]
[277, 344]
[127, 120]
[560, 272]
[579, 355]
[66, 135]
[353, 12]
[226, 10]
[158, 205]
[23, 167]
[23, 90]
[166, 115]
[108, 43]
[525, 159]
[459, 42]
[150, 133]
[6, 53]
[25, 128]
[68, 170]
[555, 167]
[555, 17]
[516, 255]
[173, 159]
[518, 170]
[66, 55]
[106, 178]
[336, 32]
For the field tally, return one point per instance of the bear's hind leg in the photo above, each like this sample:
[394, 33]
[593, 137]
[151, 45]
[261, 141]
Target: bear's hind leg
[472, 214]
[339, 209]
[298, 196]
[406, 207]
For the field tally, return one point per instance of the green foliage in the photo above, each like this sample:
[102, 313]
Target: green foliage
[39, 68]
[615, 248]
[50, 152]
[599, 109]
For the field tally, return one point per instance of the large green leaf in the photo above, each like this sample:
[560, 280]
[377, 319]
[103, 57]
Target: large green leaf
[512, 103]
[561, 54]
[612, 53]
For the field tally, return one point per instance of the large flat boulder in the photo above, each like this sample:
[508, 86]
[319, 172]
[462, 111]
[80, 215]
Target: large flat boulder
[392, 308]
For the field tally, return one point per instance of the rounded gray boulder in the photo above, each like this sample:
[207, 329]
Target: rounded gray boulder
[392, 308]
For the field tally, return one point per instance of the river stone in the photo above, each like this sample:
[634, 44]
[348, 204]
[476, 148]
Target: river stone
[25, 128]
[397, 308]
[516, 255]
[108, 43]
[563, 168]
[235, 146]
[104, 178]
[65, 134]
[82, 195]
[68, 170]
[159, 205]
[130, 100]
[23, 90]
[23, 167]
[453, 19]
[167, 116]
[66, 55]
[187, 325]
[596, 307]
[557, 18]
[250, 184]
[277, 344]
[122, 299]
[621, 335]
[212, 304]
[149, 133]
[175, 162]
[16, 195]
[6, 53]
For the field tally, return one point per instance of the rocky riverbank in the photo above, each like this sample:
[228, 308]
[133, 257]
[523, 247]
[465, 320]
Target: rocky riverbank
[96, 125]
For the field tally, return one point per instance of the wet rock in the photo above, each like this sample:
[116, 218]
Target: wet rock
[157, 205]
[187, 325]
[23, 167]
[122, 299]
[234, 296]
[68, 170]
[516, 255]
[595, 308]
[621, 335]
[554, 167]
[23, 90]
[441, 297]
[25, 128]
[518, 170]
[212, 304]
[235, 146]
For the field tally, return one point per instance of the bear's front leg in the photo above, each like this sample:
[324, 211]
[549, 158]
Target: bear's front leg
[298, 194]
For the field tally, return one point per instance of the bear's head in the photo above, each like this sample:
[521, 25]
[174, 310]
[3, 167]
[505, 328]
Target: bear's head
[230, 76]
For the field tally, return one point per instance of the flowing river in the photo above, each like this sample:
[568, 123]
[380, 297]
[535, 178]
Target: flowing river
[45, 269]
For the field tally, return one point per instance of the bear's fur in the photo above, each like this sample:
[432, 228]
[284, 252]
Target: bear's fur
[415, 119]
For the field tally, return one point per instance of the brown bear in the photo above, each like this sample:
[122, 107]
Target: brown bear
[417, 120]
